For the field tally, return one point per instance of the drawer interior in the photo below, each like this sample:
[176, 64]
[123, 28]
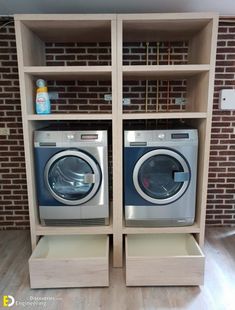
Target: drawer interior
[161, 245]
[71, 247]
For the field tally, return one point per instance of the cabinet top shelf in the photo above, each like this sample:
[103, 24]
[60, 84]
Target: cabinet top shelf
[164, 27]
[169, 16]
[68, 28]
[64, 17]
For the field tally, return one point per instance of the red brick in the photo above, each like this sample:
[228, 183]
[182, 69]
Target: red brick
[230, 222]
[213, 222]
[225, 185]
[223, 216]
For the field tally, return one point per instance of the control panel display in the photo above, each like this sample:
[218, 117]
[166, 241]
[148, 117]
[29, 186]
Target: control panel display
[89, 137]
[179, 136]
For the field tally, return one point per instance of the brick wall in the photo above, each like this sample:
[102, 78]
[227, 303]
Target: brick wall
[221, 188]
[160, 94]
[87, 96]
[13, 193]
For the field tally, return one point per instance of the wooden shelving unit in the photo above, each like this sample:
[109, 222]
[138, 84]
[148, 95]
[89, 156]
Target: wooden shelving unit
[200, 32]
[32, 34]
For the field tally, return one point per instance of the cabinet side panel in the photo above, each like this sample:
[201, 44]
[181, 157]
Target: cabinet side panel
[197, 93]
[32, 48]
[27, 132]
[208, 125]
[117, 156]
[200, 46]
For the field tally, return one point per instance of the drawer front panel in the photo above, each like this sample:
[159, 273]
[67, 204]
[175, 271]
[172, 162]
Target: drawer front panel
[69, 273]
[48, 269]
[164, 271]
[163, 260]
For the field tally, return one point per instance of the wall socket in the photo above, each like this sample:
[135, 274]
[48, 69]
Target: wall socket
[108, 97]
[180, 101]
[53, 95]
[125, 101]
[4, 131]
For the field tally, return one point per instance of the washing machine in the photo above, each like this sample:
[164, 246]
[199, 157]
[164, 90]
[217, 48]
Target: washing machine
[160, 171]
[72, 177]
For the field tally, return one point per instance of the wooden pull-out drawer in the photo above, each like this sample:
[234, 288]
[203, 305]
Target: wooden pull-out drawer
[163, 259]
[70, 261]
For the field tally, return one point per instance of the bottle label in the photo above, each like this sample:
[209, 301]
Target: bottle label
[42, 104]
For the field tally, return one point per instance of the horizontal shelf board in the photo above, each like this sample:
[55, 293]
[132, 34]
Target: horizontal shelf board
[65, 28]
[164, 115]
[88, 230]
[191, 17]
[74, 116]
[70, 72]
[64, 17]
[152, 230]
[162, 71]
[169, 26]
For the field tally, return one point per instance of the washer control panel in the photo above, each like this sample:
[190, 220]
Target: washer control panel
[161, 136]
[70, 136]
[140, 138]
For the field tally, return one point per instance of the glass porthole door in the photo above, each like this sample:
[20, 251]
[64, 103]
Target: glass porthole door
[72, 177]
[161, 176]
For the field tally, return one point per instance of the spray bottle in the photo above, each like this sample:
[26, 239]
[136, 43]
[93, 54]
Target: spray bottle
[43, 105]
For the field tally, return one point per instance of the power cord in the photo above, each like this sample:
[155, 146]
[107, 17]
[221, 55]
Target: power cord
[4, 25]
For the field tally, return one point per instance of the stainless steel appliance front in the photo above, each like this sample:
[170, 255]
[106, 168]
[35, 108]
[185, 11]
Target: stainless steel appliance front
[72, 177]
[160, 170]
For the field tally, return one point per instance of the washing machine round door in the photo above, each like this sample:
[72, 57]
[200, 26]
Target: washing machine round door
[161, 176]
[72, 177]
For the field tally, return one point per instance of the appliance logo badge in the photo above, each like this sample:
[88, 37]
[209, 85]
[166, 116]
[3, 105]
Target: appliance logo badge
[8, 301]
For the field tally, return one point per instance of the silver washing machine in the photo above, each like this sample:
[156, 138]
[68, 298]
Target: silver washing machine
[72, 177]
[160, 172]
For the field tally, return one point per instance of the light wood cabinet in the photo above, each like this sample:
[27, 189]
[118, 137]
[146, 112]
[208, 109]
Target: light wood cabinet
[198, 32]
[197, 68]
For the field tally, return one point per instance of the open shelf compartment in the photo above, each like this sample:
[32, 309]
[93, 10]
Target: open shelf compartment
[163, 259]
[162, 92]
[70, 261]
[74, 93]
[167, 38]
[66, 39]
